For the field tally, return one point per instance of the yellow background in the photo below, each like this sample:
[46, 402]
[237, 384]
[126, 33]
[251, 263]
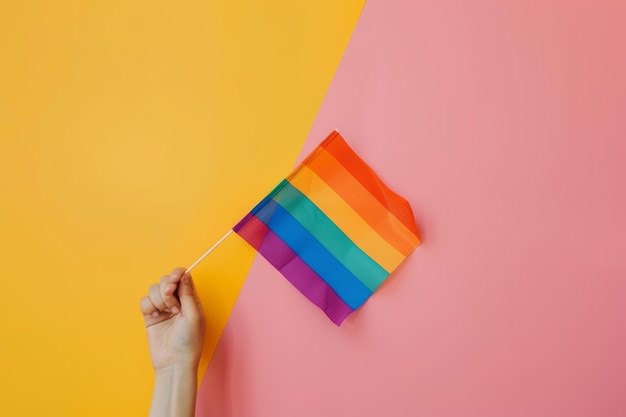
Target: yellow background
[133, 134]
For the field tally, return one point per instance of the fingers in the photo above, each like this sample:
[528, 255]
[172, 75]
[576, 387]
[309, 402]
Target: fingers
[147, 308]
[189, 300]
[162, 297]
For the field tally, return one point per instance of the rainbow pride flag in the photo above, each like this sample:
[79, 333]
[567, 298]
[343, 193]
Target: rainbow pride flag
[332, 228]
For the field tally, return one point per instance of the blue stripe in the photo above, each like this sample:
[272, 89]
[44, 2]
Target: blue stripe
[331, 237]
[313, 253]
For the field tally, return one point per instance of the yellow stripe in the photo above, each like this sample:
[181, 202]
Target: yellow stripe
[348, 220]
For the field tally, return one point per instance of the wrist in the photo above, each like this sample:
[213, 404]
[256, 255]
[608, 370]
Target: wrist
[179, 369]
[175, 389]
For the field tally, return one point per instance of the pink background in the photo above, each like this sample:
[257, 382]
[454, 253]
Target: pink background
[504, 124]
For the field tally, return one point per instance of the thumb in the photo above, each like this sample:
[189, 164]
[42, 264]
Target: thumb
[189, 300]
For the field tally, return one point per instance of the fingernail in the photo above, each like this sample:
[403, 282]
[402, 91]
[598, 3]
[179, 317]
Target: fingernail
[175, 310]
[155, 314]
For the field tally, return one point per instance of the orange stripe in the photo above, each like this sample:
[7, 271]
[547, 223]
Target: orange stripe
[384, 222]
[397, 205]
[346, 219]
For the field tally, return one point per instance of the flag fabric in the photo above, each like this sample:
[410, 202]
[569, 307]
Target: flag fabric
[332, 228]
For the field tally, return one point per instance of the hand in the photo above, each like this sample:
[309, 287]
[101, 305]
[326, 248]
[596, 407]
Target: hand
[174, 322]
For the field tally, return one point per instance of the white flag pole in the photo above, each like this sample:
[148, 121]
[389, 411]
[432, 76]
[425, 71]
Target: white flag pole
[205, 254]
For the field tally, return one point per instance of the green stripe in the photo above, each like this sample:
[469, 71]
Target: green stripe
[330, 236]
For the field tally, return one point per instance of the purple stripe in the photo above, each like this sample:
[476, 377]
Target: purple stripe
[294, 269]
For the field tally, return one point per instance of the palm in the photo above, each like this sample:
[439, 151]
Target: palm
[173, 338]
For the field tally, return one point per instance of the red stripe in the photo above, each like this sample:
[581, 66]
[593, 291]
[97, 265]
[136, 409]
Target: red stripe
[398, 206]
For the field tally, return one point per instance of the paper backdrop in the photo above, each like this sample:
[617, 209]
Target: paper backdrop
[503, 124]
[133, 134]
